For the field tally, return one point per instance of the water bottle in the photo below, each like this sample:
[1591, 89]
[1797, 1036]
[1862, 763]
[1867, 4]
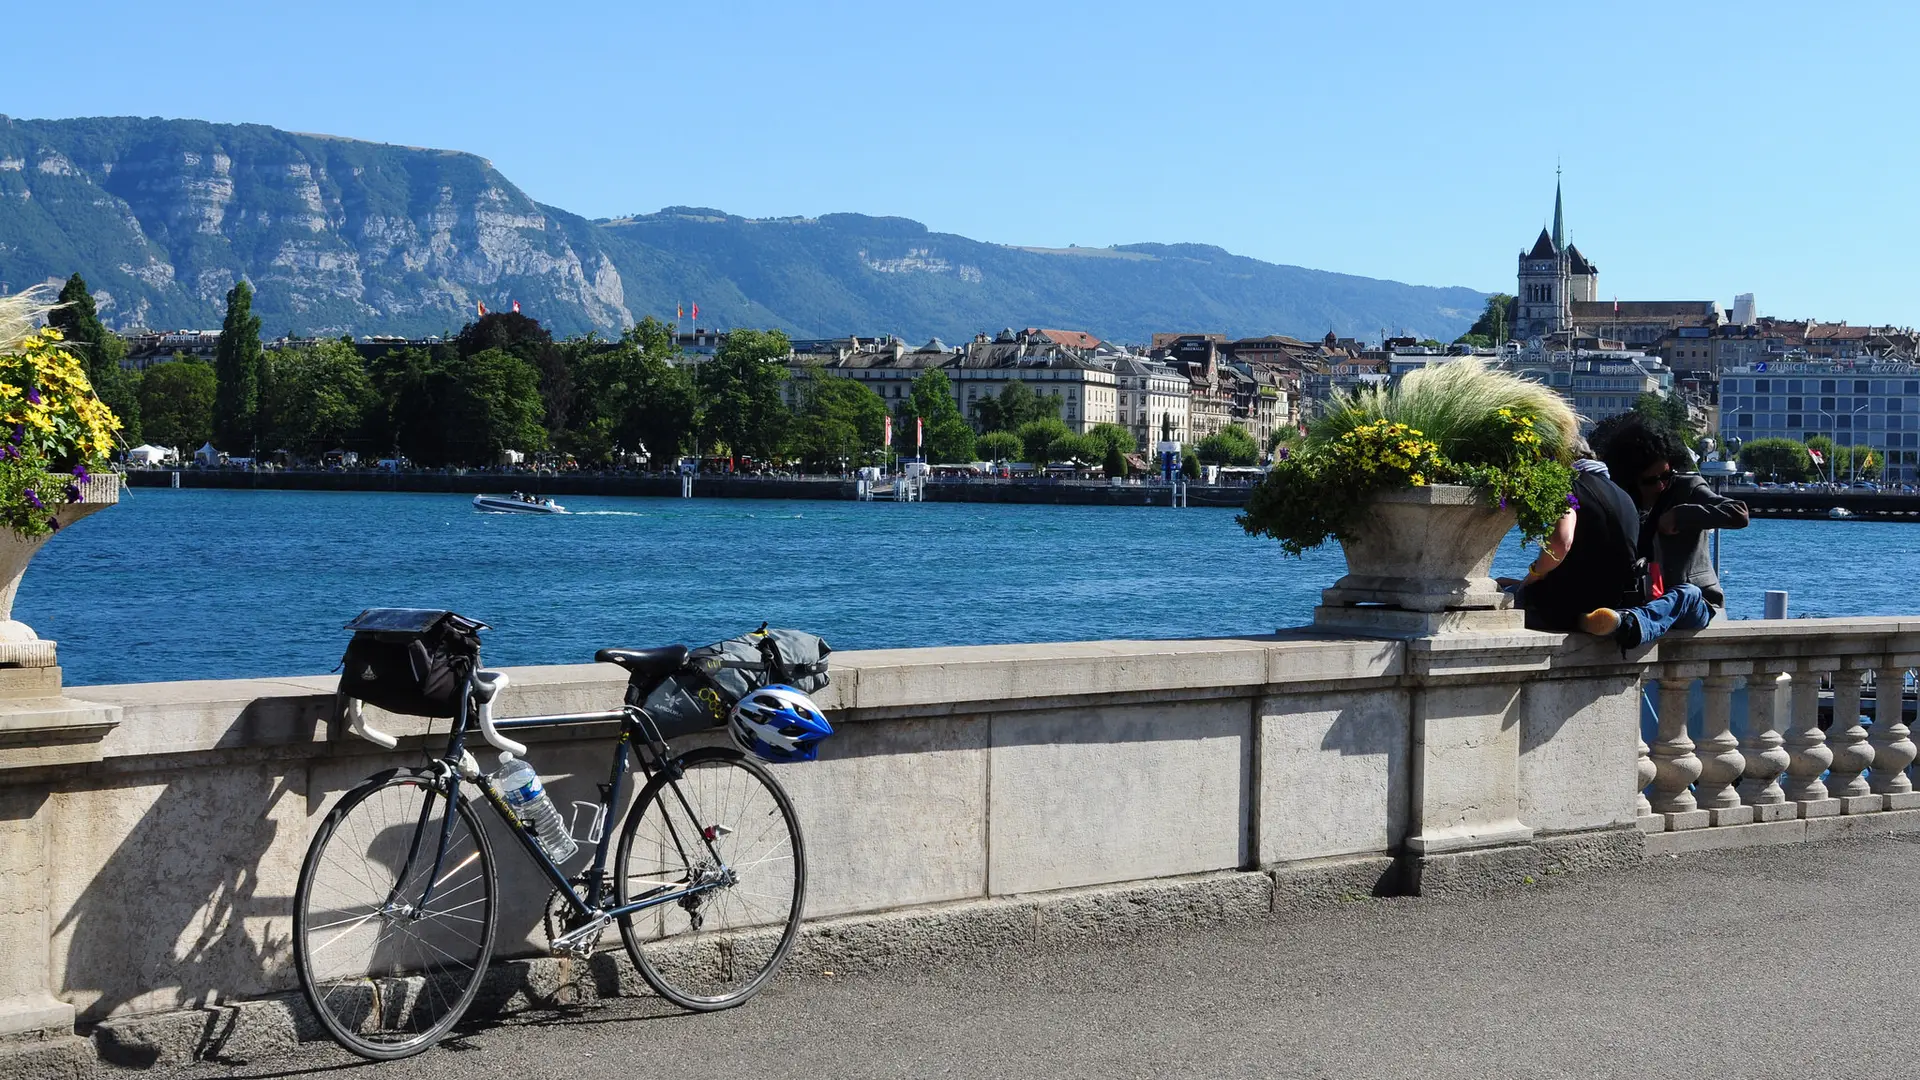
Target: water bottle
[519, 785]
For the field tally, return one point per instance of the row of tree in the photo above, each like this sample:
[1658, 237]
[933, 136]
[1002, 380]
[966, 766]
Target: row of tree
[1790, 461]
[503, 383]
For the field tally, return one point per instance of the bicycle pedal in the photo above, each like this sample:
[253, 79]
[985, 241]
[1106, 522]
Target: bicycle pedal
[581, 939]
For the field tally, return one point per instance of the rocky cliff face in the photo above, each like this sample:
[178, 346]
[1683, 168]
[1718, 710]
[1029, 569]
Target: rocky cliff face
[162, 217]
[336, 235]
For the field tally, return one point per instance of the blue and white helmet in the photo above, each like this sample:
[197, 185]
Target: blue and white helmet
[778, 724]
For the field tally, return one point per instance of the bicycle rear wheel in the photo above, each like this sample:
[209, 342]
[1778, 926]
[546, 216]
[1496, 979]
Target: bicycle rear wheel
[726, 824]
[386, 975]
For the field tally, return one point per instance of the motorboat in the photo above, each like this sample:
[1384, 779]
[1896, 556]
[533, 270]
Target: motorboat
[516, 503]
[1840, 513]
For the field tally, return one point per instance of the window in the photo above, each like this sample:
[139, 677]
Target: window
[1763, 403]
[1826, 386]
[1859, 386]
[1795, 403]
[1794, 420]
[1793, 386]
[1761, 386]
[1893, 404]
[1746, 420]
[1893, 423]
[1844, 421]
[1912, 387]
[1827, 402]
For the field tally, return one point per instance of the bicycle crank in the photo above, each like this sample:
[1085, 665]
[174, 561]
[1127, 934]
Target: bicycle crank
[570, 933]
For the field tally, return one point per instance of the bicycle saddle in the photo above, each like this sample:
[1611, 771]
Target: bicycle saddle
[658, 661]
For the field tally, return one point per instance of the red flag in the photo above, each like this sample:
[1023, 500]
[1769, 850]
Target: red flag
[1616, 305]
[919, 434]
[1815, 455]
[889, 438]
[696, 313]
[483, 309]
[679, 311]
[516, 307]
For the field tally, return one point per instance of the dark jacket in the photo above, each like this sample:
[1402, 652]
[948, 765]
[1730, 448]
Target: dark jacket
[1598, 570]
[1684, 556]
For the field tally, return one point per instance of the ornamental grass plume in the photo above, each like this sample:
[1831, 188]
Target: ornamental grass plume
[23, 313]
[1458, 405]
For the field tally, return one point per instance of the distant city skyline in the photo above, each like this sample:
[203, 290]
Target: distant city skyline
[1708, 150]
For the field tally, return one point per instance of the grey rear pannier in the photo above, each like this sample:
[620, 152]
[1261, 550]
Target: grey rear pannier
[715, 677]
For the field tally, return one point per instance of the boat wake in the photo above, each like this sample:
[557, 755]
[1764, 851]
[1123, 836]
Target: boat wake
[607, 513]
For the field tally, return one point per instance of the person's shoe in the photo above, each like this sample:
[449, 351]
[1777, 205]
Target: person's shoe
[1601, 622]
[1627, 634]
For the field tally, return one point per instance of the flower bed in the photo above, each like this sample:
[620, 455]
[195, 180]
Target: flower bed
[53, 430]
[1508, 439]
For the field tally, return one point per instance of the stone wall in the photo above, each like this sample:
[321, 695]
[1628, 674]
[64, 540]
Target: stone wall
[160, 876]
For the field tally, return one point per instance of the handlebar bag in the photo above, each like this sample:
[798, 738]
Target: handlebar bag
[413, 661]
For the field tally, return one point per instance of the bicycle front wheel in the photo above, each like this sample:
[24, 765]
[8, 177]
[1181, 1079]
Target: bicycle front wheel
[387, 974]
[726, 829]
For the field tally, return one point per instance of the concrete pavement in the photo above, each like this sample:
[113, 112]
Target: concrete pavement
[1790, 961]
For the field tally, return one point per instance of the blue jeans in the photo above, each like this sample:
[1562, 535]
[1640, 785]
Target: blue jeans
[1681, 608]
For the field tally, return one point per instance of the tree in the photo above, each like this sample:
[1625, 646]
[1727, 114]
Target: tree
[446, 409]
[1843, 463]
[1115, 443]
[840, 421]
[630, 395]
[525, 338]
[319, 398]
[1231, 445]
[1668, 411]
[1490, 329]
[930, 400]
[100, 352]
[236, 367]
[1072, 447]
[1777, 459]
[740, 391]
[998, 446]
[1037, 438]
[176, 403]
[1189, 463]
[1016, 405]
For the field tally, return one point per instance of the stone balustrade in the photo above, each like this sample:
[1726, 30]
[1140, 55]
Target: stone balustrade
[149, 868]
[1761, 733]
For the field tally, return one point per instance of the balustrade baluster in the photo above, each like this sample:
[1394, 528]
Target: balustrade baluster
[1893, 750]
[1764, 748]
[1675, 767]
[1721, 761]
[1649, 821]
[1807, 744]
[1847, 736]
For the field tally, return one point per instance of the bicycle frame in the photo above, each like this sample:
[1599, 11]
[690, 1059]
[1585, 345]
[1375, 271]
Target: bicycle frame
[653, 760]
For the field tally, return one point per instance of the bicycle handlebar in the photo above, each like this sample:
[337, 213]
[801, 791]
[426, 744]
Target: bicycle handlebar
[486, 686]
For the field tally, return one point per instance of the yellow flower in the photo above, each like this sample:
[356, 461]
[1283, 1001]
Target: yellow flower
[1419, 480]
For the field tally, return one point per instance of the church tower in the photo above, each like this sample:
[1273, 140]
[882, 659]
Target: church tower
[1546, 281]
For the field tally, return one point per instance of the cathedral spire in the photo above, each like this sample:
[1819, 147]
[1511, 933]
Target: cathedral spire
[1559, 230]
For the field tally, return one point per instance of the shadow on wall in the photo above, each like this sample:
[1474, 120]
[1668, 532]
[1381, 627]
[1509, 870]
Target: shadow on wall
[193, 906]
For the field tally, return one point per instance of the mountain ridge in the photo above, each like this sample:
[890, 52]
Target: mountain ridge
[342, 235]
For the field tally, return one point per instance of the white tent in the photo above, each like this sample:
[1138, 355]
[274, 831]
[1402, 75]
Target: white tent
[206, 455]
[148, 454]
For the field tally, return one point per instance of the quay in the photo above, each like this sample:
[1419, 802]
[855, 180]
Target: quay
[987, 799]
[1572, 977]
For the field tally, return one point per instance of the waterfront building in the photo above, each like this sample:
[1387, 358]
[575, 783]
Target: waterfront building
[1062, 364]
[146, 348]
[1150, 394]
[1200, 358]
[884, 365]
[1598, 383]
[1855, 402]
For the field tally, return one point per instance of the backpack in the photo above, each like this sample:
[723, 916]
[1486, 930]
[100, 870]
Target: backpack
[413, 661]
[702, 694]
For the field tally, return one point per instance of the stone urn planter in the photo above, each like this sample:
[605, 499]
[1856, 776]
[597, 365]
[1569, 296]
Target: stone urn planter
[1420, 564]
[19, 645]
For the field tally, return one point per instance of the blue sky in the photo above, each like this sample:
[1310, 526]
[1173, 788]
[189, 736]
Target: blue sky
[1708, 148]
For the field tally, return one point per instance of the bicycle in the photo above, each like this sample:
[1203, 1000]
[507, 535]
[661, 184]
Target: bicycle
[394, 918]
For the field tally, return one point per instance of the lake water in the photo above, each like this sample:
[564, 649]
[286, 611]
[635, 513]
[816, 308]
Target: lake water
[196, 584]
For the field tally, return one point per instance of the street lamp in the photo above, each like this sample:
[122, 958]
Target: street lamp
[1851, 473]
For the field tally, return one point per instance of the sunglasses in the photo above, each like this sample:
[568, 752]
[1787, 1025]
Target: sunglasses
[1660, 480]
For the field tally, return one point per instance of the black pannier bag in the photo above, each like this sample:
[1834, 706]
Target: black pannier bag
[715, 677]
[413, 661]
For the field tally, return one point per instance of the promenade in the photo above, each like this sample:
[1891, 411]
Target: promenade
[1768, 962]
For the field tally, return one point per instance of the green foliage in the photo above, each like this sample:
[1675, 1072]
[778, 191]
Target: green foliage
[1037, 438]
[236, 366]
[1072, 447]
[740, 389]
[1015, 406]
[1843, 463]
[100, 352]
[526, 339]
[446, 409]
[1231, 445]
[60, 431]
[1781, 460]
[1116, 442]
[998, 446]
[629, 396]
[1508, 439]
[840, 422]
[176, 403]
[1189, 463]
[318, 398]
[1491, 328]
[948, 437]
[1668, 411]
